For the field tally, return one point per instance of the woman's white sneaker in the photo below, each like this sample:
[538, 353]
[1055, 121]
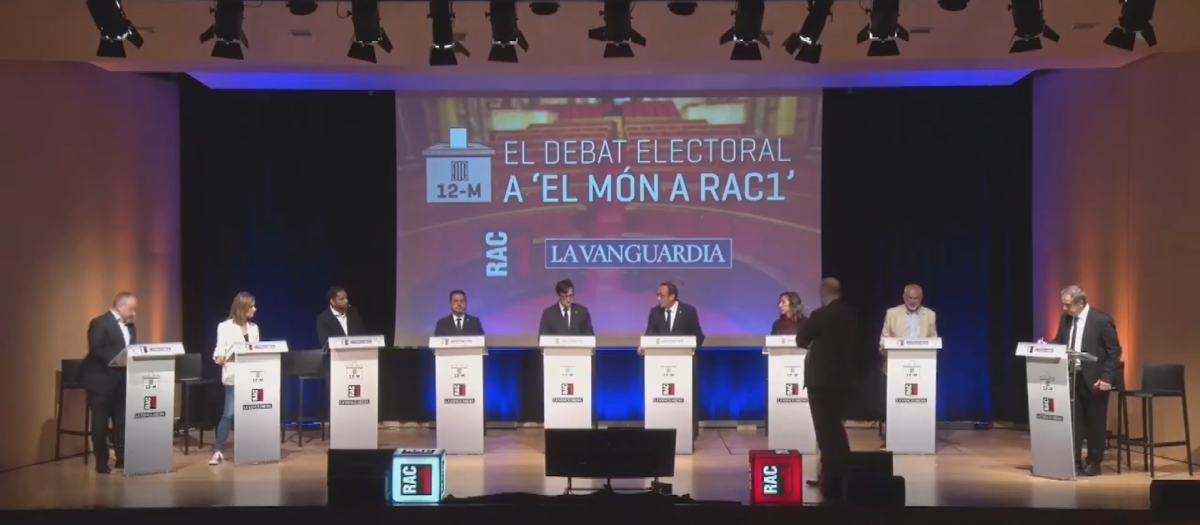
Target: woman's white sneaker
[217, 457]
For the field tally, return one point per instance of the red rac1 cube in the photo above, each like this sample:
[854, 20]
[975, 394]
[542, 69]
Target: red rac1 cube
[775, 477]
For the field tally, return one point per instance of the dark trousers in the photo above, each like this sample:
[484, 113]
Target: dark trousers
[1091, 421]
[107, 406]
[827, 405]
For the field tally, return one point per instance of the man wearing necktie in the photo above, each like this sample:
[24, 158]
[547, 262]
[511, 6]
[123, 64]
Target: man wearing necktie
[458, 322]
[565, 316]
[674, 317]
[1089, 330]
[108, 334]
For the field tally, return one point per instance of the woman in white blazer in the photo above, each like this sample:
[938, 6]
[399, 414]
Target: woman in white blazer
[231, 334]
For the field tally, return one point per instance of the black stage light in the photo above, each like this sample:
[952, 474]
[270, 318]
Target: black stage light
[805, 45]
[617, 33]
[543, 8]
[682, 8]
[506, 36]
[1134, 21]
[953, 5]
[747, 32]
[883, 29]
[302, 7]
[368, 31]
[445, 46]
[1030, 23]
[115, 28]
[227, 29]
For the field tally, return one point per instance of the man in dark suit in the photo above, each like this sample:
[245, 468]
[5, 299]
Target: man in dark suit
[339, 320]
[108, 334]
[830, 370]
[566, 317]
[458, 322]
[675, 317]
[1086, 329]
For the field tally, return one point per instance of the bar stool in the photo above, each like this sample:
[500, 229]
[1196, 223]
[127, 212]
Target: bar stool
[189, 375]
[1158, 381]
[304, 366]
[69, 379]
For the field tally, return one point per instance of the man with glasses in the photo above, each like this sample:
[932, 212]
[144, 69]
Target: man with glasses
[565, 316]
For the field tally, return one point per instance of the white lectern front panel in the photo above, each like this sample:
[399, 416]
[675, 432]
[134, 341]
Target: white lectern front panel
[1051, 430]
[789, 417]
[912, 395]
[354, 392]
[258, 403]
[150, 408]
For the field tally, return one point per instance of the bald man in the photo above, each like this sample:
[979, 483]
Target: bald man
[830, 370]
[907, 320]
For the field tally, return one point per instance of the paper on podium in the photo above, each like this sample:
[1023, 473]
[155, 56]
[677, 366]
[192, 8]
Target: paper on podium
[912, 343]
[356, 342]
[141, 352]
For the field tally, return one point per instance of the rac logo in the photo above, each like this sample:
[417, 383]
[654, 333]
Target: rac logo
[496, 254]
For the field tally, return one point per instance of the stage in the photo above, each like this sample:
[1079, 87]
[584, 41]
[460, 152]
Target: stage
[984, 468]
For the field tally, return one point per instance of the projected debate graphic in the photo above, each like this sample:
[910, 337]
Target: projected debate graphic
[502, 197]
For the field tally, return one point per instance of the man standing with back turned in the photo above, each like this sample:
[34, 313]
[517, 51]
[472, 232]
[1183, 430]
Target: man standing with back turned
[108, 334]
[829, 372]
[1086, 329]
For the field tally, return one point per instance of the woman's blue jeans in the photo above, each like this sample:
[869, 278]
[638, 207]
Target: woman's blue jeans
[226, 420]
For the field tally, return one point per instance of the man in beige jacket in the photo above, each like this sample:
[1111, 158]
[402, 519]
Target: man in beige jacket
[907, 320]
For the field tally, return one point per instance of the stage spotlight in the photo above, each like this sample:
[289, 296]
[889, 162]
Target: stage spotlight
[302, 7]
[506, 36]
[953, 5]
[682, 8]
[368, 32]
[445, 46]
[747, 33]
[227, 29]
[617, 33]
[883, 29]
[1030, 23]
[114, 27]
[543, 8]
[1134, 21]
[806, 44]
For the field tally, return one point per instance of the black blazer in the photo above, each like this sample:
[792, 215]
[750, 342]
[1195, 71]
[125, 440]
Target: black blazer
[553, 322]
[105, 342]
[445, 326]
[1100, 340]
[777, 326]
[830, 336]
[687, 322]
[328, 326]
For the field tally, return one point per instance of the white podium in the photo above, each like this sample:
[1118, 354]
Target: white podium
[912, 394]
[459, 371]
[789, 418]
[149, 406]
[257, 397]
[353, 392]
[668, 377]
[567, 379]
[1048, 371]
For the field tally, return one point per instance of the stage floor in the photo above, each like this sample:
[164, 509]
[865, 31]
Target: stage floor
[972, 468]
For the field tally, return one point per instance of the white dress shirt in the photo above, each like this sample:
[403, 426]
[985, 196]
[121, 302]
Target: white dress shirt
[124, 327]
[341, 319]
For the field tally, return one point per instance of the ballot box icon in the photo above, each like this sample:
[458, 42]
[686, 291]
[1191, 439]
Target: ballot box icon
[458, 171]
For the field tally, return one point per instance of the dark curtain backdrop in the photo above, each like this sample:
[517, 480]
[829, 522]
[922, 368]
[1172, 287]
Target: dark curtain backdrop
[932, 186]
[287, 193]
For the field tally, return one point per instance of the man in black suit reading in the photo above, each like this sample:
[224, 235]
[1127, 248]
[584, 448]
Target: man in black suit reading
[458, 322]
[108, 334]
[1086, 329]
[566, 317]
[675, 317]
[830, 370]
[339, 320]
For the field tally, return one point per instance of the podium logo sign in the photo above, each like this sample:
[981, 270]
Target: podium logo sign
[354, 373]
[912, 394]
[791, 394]
[416, 480]
[1047, 383]
[1047, 412]
[568, 371]
[668, 394]
[354, 392]
[150, 382]
[567, 394]
[257, 377]
[668, 371]
[150, 408]
[258, 397]
[459, 391]
[1047, 404]
[459, 371]
[912, 371]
